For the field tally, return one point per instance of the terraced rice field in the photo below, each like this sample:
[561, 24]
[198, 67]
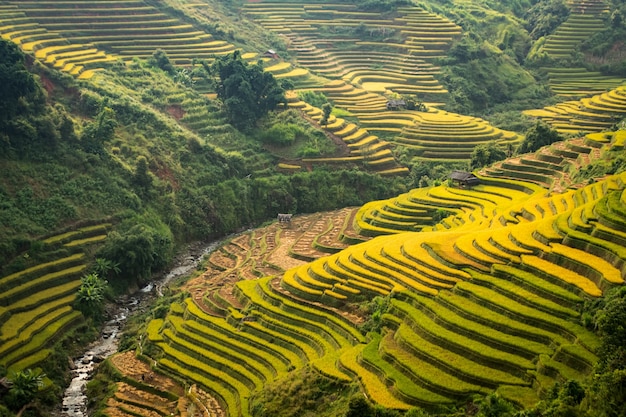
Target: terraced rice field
[363, 74]
[363, 148]
[81, 38]
[444, 135]
[80, 59]
[402, 66]
[586, 18]
[486, 300]
[36, 303]
[127, 29]
[594, 114]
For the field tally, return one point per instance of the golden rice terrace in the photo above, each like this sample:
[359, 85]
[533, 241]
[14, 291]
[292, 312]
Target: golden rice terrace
[487, 299]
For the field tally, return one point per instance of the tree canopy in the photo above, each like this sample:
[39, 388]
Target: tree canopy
[15, 80]
[247, 92]
[541, 134]
[486, 154]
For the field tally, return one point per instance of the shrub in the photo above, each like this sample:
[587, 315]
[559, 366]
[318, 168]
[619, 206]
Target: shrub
[282, 134]
[315, 99]
[537, 136]
[142, 245]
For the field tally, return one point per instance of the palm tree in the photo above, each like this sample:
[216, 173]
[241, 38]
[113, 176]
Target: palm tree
[90, 296]
[104, 267]
[24, 385]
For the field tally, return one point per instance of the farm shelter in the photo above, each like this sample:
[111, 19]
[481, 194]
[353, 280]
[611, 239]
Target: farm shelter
[464, 179]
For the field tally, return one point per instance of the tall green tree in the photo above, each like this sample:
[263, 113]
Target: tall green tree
[545, 16]
[160, 60]
[486, 154]
[541, 134]
[247, 92]
[15, 80]
[99, 131]
[327, 109]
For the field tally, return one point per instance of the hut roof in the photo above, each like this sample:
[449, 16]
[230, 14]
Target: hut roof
[461, 176]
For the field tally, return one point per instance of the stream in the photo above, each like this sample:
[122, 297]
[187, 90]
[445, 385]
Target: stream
[74, 398]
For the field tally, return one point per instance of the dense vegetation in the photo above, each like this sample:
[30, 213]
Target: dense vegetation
[141, 154]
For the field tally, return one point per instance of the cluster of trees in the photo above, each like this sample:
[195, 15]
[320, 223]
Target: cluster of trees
[537, 136]
[605, 47]
[247, 92]
[545, 16]
[28, 128]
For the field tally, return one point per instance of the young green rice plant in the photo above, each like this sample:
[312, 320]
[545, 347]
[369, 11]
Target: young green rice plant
[21, 319]
[529, 315]
[38, 335]
[425, 373]
[478, 312]
[222, 329]
[402, 386]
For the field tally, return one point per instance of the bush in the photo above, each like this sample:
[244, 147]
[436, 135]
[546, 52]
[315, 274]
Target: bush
[142, 245]
[315, 99]
[486, 154]
[537, 136]
[282, 134]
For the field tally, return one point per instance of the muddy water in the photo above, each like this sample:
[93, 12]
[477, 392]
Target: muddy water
[74, 398]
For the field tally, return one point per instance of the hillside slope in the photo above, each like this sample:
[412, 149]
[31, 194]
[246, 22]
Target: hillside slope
[490, 299]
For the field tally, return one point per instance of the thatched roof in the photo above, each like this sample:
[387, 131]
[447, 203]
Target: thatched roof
[462, 176]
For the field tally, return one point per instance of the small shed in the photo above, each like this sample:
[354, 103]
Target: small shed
[395, 104]
[284, 217]
[464, 179]
[270, 53]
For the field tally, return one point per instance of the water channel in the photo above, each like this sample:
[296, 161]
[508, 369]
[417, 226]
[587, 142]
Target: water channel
[74, 399]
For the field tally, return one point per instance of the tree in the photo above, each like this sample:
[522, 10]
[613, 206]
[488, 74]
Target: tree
[359, 407]
[486, 154]
[537, 136]
[15, 80]
[247, 92]
[326, 111]
[161, 60]
[141, 177]
[545, 16]
[610, 322]
[101, 130]
[139, 248]
[494, 406]
[103, 267]
[90, 297]
[24, 386]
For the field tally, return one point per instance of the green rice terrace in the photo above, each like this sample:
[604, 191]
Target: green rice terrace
[36, 304]
[592, 114]
[484, 288]
[364, 269]
[81, 38]
[586, 19]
